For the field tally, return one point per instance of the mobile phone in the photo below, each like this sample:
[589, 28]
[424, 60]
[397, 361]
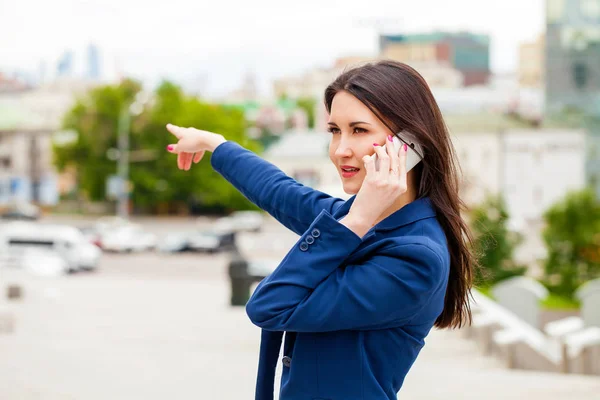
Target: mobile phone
[415, 150]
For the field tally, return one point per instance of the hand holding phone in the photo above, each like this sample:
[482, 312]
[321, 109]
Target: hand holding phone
[415, 151]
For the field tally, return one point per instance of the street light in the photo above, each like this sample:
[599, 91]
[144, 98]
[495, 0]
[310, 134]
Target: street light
[135, 108]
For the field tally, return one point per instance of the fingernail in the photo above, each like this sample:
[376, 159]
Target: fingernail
[375, 144]
[405, 147]
[169, 147]
[390, 138]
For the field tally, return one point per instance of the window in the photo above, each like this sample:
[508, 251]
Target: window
[580, 75]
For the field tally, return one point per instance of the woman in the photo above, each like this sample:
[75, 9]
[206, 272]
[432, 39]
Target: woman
[370, 276]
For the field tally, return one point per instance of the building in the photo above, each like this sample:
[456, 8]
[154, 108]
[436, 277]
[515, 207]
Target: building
[573, 54]
[12, 84]
[573, 71]
[465, 52]
[29, 123]
[93, 62]
[532, 63]
[26, 172]
[523, 164]
[531, 167]
[311, 84]
[65, 66]
[247, 92]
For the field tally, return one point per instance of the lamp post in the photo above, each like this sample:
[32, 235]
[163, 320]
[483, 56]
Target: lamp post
[123, 128]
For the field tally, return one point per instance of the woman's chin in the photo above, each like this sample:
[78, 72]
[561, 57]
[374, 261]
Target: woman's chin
[350, 189]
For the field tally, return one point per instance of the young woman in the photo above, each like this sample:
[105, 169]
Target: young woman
[370, 276]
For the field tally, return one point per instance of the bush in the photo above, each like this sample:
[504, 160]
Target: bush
[572, 237]
[493, 243]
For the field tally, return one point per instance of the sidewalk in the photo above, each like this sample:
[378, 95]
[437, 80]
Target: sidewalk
[98, 338]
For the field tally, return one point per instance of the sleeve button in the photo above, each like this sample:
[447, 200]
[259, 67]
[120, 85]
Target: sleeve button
[310, 239]
[316, 233]
[303, 246]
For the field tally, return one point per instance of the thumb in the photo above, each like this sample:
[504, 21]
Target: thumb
[172, 148]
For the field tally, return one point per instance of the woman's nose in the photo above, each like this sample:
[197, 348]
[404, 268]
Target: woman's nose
[343, 150]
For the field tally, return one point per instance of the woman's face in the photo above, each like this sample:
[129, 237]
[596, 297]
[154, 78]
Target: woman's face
[354, 129]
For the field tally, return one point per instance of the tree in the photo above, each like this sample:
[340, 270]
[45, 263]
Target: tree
[494, 243]
[572, 237]
[308, 105]
[156, 181]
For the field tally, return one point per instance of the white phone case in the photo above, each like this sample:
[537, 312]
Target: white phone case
[412, 158]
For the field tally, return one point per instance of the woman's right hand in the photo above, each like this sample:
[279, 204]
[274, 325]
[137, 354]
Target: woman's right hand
[191, 145]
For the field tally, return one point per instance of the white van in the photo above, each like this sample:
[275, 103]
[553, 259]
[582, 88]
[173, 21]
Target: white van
[66, 241]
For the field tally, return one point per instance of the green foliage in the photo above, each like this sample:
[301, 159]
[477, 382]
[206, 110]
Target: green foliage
[493, 243]
[308, 105]
[156, 181]
[557, 302]
[572, 237]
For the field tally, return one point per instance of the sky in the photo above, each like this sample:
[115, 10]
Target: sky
[212, 45]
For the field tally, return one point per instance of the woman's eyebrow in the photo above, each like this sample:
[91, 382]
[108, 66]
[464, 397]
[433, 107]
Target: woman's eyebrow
[358, 122]
[351, 123]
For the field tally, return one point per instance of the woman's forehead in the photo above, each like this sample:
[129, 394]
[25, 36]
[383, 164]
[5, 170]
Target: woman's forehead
[346, 108]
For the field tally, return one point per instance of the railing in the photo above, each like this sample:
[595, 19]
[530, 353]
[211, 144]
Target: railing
[565, 346]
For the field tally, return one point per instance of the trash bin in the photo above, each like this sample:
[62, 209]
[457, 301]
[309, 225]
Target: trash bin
[240, 281]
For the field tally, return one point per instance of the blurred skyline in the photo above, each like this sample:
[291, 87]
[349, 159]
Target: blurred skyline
[211, 48]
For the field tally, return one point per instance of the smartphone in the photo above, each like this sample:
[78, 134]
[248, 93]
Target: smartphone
[415, 150]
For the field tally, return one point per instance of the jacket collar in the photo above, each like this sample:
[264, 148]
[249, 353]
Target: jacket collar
[416, 210]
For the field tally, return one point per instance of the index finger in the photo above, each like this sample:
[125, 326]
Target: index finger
[175, 130]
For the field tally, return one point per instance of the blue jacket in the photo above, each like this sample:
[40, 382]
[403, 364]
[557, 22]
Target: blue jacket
[355, 311]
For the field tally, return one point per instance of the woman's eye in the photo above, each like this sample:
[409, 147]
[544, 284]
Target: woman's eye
[336, 130]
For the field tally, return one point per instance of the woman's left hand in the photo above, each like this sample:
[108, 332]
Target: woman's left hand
[380, 189]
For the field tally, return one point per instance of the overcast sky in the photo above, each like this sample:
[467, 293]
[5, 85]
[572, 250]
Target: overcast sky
[214, 43]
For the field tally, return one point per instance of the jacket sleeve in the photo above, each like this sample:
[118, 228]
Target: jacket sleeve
[290, 202]
[313, 290]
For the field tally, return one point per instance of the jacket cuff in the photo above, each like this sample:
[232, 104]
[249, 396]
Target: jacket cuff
[321, 249]
[223, 153]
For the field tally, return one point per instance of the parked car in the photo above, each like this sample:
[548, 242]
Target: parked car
[21, 211]
[127, 238]
[45, 262]
[19, 237]
[240, 221]
[102, 226]
[197, 240]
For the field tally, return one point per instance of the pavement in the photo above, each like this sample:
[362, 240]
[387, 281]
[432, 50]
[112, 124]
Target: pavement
[148, 326]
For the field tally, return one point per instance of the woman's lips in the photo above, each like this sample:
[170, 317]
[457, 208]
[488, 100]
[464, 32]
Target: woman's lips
[349, 174]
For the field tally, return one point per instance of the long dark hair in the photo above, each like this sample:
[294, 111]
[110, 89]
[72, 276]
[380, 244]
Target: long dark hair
[402, 100]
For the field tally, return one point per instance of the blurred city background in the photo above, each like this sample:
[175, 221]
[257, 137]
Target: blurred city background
[123, 277]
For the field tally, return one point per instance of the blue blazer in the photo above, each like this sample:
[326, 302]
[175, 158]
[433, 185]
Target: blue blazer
[355, 311]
